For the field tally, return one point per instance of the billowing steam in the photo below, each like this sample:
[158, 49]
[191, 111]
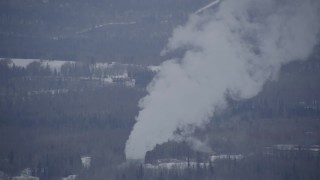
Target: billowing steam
[231, 52]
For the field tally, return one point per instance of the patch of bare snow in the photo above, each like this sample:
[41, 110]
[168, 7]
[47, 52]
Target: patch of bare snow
[86, 161]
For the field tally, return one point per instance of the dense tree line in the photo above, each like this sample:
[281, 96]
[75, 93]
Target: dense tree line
[279, 166]
[49, 120]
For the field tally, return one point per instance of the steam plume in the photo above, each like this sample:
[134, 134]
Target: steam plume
[231, 51]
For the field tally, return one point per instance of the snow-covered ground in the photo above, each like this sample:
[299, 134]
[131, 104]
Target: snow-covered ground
[48, 91]
[207, 6]
[154, 68]
[25, 174]
[22, 62]
[70, 177]
[226, 156]
[175, 164]
[292, 147]
[57, 64]
[86, 161]
[182, 164]
[106, 73]
[54, 65]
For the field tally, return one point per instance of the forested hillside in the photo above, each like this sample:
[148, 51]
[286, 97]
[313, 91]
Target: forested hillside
[133, 31]
[49, 120]
[73, 73]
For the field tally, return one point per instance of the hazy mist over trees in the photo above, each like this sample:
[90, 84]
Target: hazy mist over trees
[73, 121]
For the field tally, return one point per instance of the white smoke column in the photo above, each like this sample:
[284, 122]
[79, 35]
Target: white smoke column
[231, 52]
